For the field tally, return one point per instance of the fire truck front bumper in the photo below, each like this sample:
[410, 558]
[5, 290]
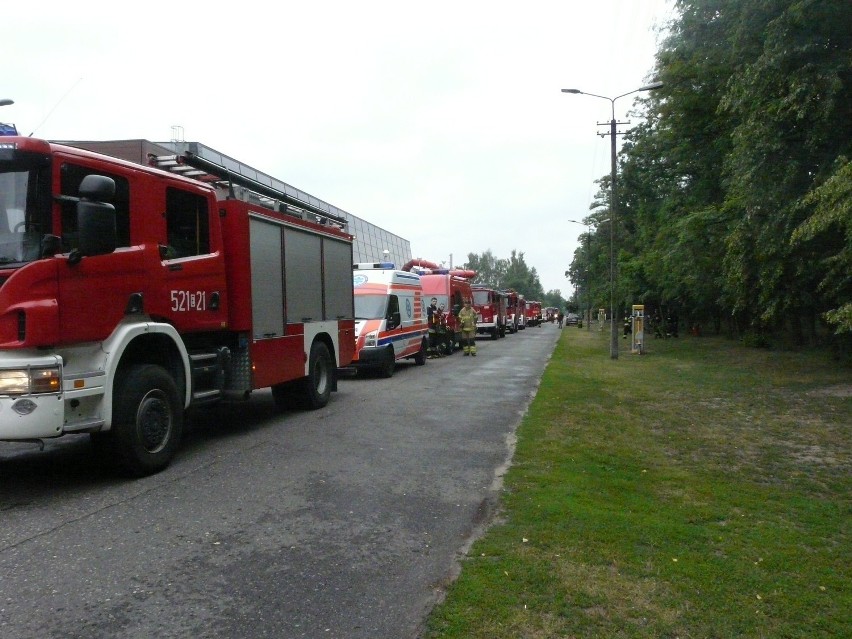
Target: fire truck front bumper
[31, 399]
[485, 327]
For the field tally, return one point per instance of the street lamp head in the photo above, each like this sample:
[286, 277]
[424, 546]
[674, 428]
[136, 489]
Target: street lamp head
[653, 85]
[571, 91]
[6, 102]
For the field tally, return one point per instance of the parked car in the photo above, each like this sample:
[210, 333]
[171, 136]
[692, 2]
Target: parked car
[571, 319]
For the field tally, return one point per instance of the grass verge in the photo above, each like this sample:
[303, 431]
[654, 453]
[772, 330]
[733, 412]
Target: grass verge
[699, 490]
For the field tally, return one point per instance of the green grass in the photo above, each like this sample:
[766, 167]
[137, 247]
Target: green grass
[699, 490]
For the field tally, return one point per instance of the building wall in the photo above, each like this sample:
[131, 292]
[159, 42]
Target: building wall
[371, 241]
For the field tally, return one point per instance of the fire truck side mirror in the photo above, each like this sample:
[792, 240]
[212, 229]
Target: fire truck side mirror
[96, 217]
[50, 245]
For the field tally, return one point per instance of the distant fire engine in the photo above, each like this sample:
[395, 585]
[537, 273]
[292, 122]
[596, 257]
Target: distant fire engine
[490, 305]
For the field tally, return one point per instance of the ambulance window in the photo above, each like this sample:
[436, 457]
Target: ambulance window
[393, 305]
[70, 177]
[187, 224]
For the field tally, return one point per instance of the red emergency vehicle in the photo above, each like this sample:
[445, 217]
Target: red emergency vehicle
[516, 311]
[522, 313]
[511, 310]
[490, 307]
[534, 317]
[451, 287]
[132, 290]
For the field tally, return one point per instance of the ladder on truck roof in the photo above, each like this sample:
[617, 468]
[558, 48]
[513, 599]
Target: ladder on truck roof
[193, 159]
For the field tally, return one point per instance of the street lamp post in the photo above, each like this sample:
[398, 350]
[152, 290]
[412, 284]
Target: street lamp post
[613, 341]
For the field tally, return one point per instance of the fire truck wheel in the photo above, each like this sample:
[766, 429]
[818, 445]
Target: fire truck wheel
[420, 356]
[316, 387]
[147, 420]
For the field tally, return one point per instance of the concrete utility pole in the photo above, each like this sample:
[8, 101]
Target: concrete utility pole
[613, 131]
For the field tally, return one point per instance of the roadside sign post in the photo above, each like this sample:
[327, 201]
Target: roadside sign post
[638, 333]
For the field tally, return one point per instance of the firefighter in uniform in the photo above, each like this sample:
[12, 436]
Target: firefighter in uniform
[433, 321]
[467, 320]
[443, 338]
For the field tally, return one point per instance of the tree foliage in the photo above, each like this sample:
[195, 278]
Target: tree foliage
[734, 193]
[512, 272]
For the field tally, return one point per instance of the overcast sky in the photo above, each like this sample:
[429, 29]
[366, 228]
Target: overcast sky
[440, 121]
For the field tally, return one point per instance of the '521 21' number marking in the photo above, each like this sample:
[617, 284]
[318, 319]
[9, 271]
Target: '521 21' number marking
[184, 301]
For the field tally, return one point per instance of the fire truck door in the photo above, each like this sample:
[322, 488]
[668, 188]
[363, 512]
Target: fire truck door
[194, 272]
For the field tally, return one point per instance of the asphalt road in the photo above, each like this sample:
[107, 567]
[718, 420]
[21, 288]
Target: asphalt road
[346, 522]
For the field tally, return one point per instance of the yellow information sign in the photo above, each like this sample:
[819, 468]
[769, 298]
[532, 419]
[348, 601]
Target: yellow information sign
[638, 339]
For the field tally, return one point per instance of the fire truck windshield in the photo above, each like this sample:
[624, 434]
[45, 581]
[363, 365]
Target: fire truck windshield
[481, 297]
[21, 217]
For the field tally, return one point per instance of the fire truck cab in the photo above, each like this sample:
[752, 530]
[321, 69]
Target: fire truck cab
[490, 306]
[534, 313]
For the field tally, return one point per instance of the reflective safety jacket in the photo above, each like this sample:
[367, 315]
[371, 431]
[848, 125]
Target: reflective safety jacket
[467, 319]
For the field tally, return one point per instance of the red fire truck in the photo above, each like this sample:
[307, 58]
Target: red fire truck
[490, 306]
[515, 311]
[533, 313]
[133, 290]
[451, 287]
[521, 312]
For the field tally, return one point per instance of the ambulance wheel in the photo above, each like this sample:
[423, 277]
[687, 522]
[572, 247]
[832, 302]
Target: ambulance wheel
[388, 366]
[316, 387]
[147, 421]
[420, 356]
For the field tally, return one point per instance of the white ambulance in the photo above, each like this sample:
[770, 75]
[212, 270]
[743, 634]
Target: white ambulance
[390, 318]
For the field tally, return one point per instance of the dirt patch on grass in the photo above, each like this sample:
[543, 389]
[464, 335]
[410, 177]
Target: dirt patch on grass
[843, 391]
[812, 455]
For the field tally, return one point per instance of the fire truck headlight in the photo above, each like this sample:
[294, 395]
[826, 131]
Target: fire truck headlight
[14, 382]
[372, 339]
[45, 380]
[30, 381]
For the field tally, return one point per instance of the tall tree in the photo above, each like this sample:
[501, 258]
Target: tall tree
[512, 272]
[733, 194]
[829, 227]
[490, 271]
[792, 106]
